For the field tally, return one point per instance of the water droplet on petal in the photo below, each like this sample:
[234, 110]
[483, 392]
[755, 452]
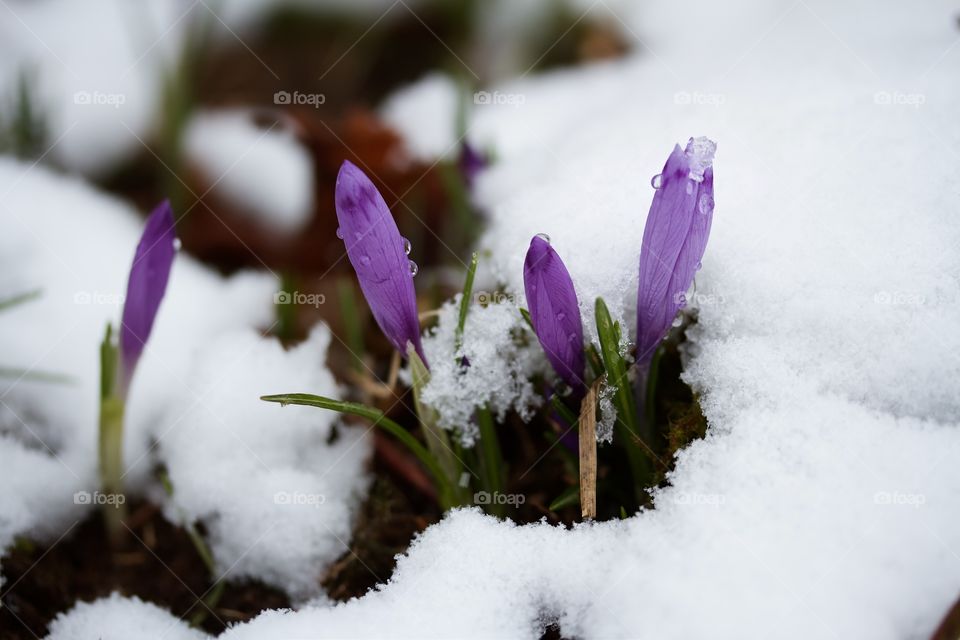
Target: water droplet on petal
[365, 260]
[357, 235]
[689, 187]
[572, 337]
[340, 233]
[561, 316]
[544, 237]
[677, 322]
[699, 266]
[656, 181]
[407, 246]
[414, 269]
[705, 205]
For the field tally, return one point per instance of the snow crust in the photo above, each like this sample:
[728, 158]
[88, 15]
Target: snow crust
[194, 402]
[264, 172]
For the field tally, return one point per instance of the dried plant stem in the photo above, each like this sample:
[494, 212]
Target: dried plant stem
[588, 453]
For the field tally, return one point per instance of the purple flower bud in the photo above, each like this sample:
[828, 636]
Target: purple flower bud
[554, 312]
[146, 285]
[674, 240]
[471, 162]
[379, 256]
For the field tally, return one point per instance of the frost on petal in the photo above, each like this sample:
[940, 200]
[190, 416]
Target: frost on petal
[376, 251]
[554, 311]
[147, 284]
[674, 239]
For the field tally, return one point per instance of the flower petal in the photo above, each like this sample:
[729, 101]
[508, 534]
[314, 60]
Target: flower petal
[146, 285]
[554, 311]
[674, 240]
[376, 251]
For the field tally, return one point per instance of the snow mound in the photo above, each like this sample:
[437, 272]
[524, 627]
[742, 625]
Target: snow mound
[276, 498]
[265, 173]
[128, 618]
[194, 402]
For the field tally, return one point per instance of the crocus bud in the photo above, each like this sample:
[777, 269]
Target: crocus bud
[554, 312]
[378, 254]
[471, 162]
[146, 286]
[674, 240]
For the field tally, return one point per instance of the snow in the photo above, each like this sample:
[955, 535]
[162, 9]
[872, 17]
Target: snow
[194, 402]
[264, 173]
[433, 99]
[823, 501]
[497, 343]
[277, 499]
[130, 618]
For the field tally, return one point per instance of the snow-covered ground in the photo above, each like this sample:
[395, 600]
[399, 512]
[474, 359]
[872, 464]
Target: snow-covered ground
[823, 501]
[275, 497]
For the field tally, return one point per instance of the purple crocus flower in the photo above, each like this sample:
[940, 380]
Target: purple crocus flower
[146, 285]
[378, 254]
[471, 162]
[674, 240]
[555, 312]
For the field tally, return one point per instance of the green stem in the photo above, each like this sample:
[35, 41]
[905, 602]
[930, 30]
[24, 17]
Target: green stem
[379, 419]
[490, 450]
[650, 402]
[111, 434]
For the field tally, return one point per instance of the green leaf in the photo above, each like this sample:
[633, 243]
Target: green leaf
[465, 300]
[36, 376]
[379, 419]
[526, 316]
[626, 424]
[19, 298]
[351, 322]
[568, 498]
